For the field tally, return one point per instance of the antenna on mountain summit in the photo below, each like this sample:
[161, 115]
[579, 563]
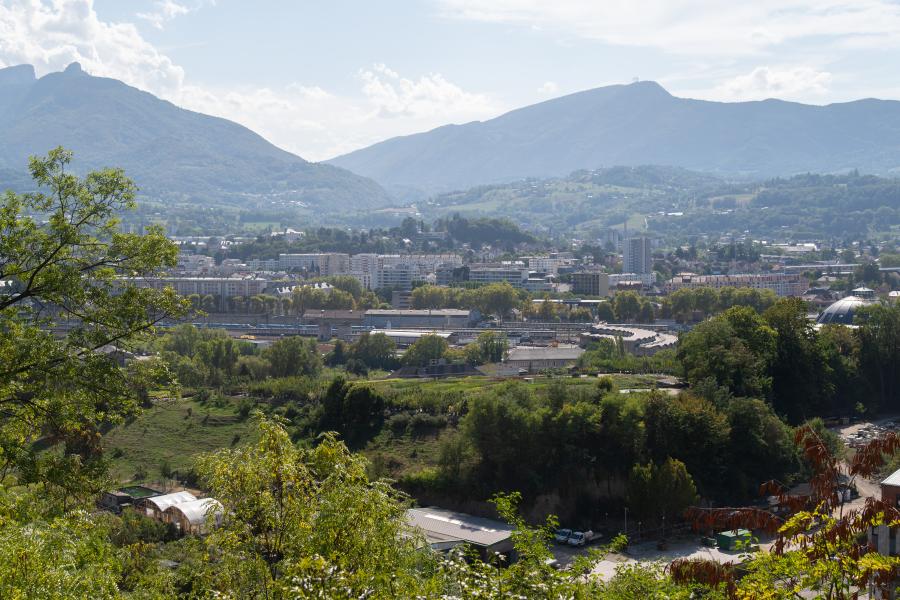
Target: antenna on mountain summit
[635, 79]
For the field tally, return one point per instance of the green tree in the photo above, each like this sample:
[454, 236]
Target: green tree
[67, 557]
[424, 350]
[488, 347]
[375, 351]
[627, 306]
[353, 410]
[660, 491]
[429, 296]
[802, 384]
[338, 355]
[879, 352]
[305, 523]
[760, 448]
[497, 299]
[293, 355]
[605, 312]
[69, 264]
[692, 430]
[715, 349]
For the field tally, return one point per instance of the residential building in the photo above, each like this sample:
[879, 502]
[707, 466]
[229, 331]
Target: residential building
[195, 264]
[645, 279]
[538, 284]
[221, 288]
[333, 263]
[400, 299]
[637, 256]
[448, 274]
[514, 275]
[783, 284]
[590, 283]
[884, 538]
[397, 276]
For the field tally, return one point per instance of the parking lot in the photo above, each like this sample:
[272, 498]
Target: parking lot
[688, 546]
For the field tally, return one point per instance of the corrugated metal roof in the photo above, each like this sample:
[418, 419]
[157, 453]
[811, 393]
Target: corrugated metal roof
[440, 525]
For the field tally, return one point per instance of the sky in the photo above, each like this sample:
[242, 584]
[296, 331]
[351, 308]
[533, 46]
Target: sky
[322, 78]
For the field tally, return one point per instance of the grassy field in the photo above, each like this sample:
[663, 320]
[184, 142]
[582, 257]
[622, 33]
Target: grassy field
[172, 432]
[478, 384]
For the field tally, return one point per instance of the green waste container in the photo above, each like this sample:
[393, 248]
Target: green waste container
[729, 540]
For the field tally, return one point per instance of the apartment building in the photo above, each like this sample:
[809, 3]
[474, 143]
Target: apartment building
[222, 288]
[517, 276]
[637, 256]
[590, 283]
[783, 284]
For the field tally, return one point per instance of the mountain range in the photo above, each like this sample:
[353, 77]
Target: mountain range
[173, 154]
[639, 124]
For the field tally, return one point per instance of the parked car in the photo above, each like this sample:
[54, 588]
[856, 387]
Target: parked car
[562, 535]
[580, 538]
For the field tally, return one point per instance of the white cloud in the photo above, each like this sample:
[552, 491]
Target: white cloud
[317, 124]
[549, 88]
[165, 10]
[50, 36]
[304, 119]
[799, 83]
[429, 96]
[697, 26]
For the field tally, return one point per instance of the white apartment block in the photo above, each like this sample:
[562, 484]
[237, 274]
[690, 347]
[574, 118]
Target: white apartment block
[195, 263]
[783, 284]
[330, 263]
[221, 287]
[399, 276]
[515, 276]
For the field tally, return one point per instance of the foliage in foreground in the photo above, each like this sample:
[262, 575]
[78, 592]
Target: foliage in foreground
[299, 523]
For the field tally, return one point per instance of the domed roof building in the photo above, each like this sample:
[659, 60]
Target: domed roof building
[842, 311]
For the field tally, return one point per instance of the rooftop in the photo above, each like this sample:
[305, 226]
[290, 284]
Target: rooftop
[549, 353]
[196, 511]
[405, 333]
[440, 525]
[139, 491]
[842, 312]
[893, 479]
[166, 500]
[437, 312]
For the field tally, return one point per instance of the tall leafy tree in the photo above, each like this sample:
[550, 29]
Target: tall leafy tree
[66, 266]
[801, 380]
[375, 351]
[714, 349]
[293, 355]
[879, 355]
[424, 350]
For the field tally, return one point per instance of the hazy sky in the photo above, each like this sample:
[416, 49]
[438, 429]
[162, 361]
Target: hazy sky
[324, 77]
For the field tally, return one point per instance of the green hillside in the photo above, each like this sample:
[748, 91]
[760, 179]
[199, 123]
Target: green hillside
[173, 154]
